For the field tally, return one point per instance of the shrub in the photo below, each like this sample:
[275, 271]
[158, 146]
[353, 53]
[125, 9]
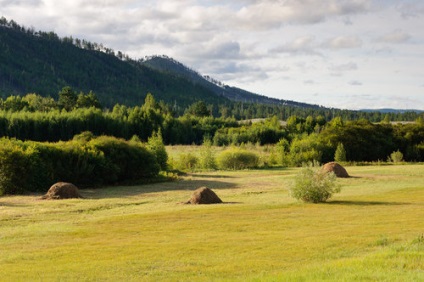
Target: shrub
[187, 162]
[313, 185]
[33, 166]
[156, 146]
[207, 158]
[396, 157]
[236, 158]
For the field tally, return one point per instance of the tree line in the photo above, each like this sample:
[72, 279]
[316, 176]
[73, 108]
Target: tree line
[37, 118]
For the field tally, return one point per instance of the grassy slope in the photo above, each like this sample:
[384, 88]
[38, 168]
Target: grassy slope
[370, 231]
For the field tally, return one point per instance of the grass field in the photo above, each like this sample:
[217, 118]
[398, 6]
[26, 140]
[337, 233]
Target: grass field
[372, 231]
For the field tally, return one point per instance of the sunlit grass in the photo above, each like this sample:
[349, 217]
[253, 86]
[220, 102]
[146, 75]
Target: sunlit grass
[371, 231]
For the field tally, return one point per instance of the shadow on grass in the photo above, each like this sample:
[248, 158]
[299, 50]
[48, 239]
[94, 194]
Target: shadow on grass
[367, 203]
[211, 176]
[129, 191]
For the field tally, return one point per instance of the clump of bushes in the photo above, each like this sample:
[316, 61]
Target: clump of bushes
[237, 158]
[85, 161]
[395, 157]
[314, 185]
[187, 162]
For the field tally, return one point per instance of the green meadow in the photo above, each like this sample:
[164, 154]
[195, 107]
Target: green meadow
[372, 231]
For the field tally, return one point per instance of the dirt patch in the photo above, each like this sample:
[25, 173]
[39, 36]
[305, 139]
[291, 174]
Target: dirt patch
[204, 195]
[62, 190]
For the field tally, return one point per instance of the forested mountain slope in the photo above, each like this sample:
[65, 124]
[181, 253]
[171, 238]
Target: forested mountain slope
[43, 63]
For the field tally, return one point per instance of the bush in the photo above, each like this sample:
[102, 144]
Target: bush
[33, 166]
[187, 162]
[236, 158]
[396, 157]
[314, 185]
[207, 158]
[156, 146]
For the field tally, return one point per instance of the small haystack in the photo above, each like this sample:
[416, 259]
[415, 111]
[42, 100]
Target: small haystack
[62, 190]
[204, 195]
[338, 170]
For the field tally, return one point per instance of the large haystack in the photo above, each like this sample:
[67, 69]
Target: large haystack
[338, 170]
[204, 195]
[62, 190]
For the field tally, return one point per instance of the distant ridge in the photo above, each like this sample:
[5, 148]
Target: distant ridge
[169, 65]
[393, 111]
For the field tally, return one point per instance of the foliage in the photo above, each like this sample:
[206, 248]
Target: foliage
[304, 149]
[84, 161]
[313, 185]
[187, 162]
[207, 156]
[198, 109]
[340, 155]
[156, 146]
[236, 158]
[396, 157]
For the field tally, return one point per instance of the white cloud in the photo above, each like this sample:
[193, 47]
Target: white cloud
[343, 42]
[397, 36]
[338, 70]
[355, 83]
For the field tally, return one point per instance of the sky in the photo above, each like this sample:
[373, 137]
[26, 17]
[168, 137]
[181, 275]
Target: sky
[348, 54]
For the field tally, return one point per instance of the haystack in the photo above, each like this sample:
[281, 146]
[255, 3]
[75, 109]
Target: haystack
[62, 190]
[204, 195]
[338, 170]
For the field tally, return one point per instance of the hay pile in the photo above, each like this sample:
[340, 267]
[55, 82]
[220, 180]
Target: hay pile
[62, 190]
[338, 170]
[204, 195]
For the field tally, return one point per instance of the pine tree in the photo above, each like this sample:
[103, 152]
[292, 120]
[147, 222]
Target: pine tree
[340, 155]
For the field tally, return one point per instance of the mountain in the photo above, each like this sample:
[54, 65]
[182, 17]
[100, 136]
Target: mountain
[168, 65]
[43, 63]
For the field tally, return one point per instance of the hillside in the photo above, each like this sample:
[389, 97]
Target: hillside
[43, 63]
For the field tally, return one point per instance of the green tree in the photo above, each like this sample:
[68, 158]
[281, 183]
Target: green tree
[207, 158]
[88, 100]
[149, 103]
[67, 98]
[340, 155]
[156, 146]
[14, 104]
[198, 109]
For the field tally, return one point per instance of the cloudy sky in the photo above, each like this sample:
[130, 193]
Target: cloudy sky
[339, 53]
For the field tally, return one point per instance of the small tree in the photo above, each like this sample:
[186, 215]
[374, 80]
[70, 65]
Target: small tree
[313, 185]
[207, 158]
[67, 98]
[340, 155]
[156, 146]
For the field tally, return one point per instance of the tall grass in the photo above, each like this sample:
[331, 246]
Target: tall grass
[371, 231]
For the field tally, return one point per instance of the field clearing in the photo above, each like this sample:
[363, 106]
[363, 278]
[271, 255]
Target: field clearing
[372, 231]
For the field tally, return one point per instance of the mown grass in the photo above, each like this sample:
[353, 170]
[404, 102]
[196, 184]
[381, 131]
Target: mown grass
[371, 231]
